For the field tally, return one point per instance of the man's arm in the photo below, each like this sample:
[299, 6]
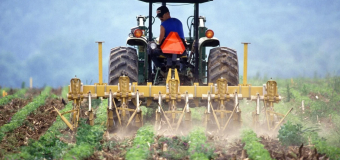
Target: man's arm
[161, 35]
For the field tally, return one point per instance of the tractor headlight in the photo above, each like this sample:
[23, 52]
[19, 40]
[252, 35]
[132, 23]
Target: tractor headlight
[153, 45]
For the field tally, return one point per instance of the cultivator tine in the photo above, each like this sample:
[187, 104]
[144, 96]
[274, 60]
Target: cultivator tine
[282, 119]
[139, 115]
[257, 112]
[207, 112]
[158, 111]
[213, 111]
[188, 112]
[91, 116]
[232, 113]
[64, 119]
[166, 117]
[133, 115]
[181, 117]
[110, 111]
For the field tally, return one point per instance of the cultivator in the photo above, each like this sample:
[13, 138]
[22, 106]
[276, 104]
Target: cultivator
[172, 93]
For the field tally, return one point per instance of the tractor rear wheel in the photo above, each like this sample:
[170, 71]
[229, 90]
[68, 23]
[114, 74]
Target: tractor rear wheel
[123, 61]
[223, 62]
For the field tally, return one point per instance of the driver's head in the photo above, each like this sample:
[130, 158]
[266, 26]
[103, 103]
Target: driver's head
[163, 13]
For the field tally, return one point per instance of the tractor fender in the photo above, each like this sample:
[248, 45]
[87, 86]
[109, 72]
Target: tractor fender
[211, 42]
[134, 41]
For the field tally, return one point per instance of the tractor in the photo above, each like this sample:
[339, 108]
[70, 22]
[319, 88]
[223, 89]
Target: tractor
[212, 81]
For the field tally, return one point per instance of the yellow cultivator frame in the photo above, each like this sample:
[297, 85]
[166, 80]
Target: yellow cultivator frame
[172, 93]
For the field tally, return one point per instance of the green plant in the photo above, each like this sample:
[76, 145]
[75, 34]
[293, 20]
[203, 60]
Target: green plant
[140, 147]
[147, 112]
[89, 137]
[88, 140]
[304, 89]
[289, 93]
[291, 134]
[199, 149]
[255, 149]
[177, 147]
[321, 145]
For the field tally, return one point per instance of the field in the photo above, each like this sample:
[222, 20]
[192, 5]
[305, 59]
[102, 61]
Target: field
[31, 129]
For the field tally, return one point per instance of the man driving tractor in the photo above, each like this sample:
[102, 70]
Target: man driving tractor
[168, 25]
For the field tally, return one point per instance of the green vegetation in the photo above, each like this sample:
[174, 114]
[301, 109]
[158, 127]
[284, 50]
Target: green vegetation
[147, 112]
[140, 147]
[177, 147]
[320, 119]
[19, 117]
[255, 149]
[89, 137]
[290, 134]
[8, 98]
[48, 146]
[88, 140]
[197, 113]
[322, 147]
[199, 149]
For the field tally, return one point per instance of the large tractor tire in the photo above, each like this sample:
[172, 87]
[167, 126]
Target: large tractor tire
[223, 62]
[123, 61]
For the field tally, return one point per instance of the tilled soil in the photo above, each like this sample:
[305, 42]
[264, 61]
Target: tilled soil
[35, 125]
[8, 110]
[115, 149]
[279, 152]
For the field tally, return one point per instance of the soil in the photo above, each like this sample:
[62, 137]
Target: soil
[117, 151]
[8, 110]
[35, 125]
[279, 152]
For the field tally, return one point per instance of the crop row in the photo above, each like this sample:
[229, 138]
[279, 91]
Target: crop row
[8, 98]
[140, 147]
[198, 148]
[19, 117]
[254, 148]
[89, 137]
[48, 145]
